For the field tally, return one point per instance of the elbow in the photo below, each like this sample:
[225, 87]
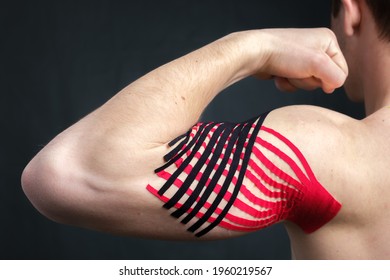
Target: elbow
[70, 185]
[42, 182]
[36, 180]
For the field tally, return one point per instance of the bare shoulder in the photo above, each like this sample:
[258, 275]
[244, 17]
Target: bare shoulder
[328, 139]
[334, 145]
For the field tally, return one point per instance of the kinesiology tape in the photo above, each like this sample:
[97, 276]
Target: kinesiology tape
[241, 177]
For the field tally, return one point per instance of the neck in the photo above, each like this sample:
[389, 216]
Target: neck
[375, 103]
[376, 82]
[369, 57]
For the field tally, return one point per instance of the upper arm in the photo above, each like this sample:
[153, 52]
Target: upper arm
[244, 177]
[108, 182]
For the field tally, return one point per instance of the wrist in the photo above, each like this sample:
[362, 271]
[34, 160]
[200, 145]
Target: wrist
[254, 52]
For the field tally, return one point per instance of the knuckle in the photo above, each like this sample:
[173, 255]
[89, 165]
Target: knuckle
[327, 31]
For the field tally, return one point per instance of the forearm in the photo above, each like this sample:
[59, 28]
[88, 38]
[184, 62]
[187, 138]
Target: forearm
[167, 101]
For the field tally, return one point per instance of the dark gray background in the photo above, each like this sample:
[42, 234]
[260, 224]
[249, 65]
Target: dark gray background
[61, 59]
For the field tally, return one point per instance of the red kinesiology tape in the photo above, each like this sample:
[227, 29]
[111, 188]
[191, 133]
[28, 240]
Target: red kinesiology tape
[242, 177]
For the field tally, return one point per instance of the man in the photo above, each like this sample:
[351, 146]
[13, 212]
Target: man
[315, 170]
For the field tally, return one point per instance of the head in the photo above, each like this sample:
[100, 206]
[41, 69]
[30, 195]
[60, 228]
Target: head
[360, 26]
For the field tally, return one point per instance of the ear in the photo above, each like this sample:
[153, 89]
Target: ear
[352, 16]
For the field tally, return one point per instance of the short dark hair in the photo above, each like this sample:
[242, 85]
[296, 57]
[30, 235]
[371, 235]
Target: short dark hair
[380, 10]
